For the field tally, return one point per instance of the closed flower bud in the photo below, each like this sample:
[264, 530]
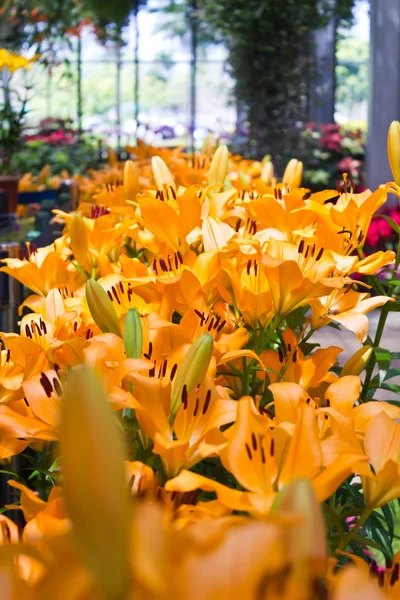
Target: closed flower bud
[356, 364]
[394, 150]
[208, 145]
[161, 173]
[267, 172]
[131, 184]
[79, 244]
[293, 173]
[101, 308]
[133, 335]
[306, 542]
[94, 483]
[219, 166]
[191, 371]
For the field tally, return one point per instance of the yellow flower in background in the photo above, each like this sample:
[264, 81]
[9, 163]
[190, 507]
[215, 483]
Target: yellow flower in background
[12, 61]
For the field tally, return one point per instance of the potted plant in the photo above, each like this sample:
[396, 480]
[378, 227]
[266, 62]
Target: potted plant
[12, 117]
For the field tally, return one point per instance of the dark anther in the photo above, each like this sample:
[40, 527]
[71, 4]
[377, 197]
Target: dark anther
[221, 326]
[196, 407]
[57, 386]
[164, 368]
[210, 325]
[280, 354]
[110, 295]
[320, 253]
[237, 227]
[272, 447]
[184, 396]
[248, 267]
[8, 355]
[46, 384]
[114, 291]
[395, 574]
[173, 372]
[381, 578]
[180, 257]
[374, 567]
[207, 402]
[28, 332]
[254, 441]
[249, 454]
[300, 247]
[295, 356]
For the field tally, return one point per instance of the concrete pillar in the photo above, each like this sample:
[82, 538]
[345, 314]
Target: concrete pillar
[322, 98]
[384, 98]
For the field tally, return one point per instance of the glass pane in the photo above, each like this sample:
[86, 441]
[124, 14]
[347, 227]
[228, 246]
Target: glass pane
[34, 84]
[352, 80]
[93, 50]
[128, 123]
[99, 99]
[215, 105]
[63, 92]
[155, 33]
[164, 114]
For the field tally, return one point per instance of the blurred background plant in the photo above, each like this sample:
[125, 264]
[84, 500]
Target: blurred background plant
[12, 110]
[329, 150]
[57, 144]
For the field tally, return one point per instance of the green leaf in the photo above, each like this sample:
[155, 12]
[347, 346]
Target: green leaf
[383, 358]
[392, 223]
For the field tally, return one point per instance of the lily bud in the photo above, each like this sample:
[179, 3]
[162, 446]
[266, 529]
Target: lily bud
[394, 150]
[79, 244]
[101, 308]
[306, 541]
[133, 334]
[356, 364]
[94, 482]
[267, 172]
[219, 166]
[191, 371]
[208, 145]
[161, 173]
[293, 173]
[131, 183]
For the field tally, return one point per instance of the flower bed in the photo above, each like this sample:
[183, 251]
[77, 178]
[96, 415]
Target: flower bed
[208, 448]
[328, 151]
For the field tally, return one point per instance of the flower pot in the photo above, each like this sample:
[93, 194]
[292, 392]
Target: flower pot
[9, 183]
[36, 197]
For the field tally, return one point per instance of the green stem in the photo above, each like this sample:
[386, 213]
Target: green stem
[347, 539]
[377, 341]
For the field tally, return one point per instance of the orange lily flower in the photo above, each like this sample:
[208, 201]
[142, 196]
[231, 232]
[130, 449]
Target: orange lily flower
[263, 461]
[44, 269]
[347, 307]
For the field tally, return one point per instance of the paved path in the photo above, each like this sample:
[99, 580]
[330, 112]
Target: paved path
[347, 340]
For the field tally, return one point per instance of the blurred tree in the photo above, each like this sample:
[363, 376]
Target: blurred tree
[47, 24]
[270, 59]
